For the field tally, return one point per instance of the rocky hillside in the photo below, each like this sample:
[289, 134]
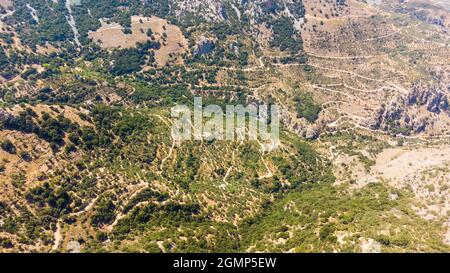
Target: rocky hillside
[88, 163]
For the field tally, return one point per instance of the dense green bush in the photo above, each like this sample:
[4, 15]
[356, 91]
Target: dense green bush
[307, 108]
[8, 146]
[6, 243]
[130, 60]
[285, 37]
[104, 212]
[57, 199]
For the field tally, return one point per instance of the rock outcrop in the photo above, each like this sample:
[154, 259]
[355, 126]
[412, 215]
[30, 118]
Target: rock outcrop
[410, 113]
[434, 99]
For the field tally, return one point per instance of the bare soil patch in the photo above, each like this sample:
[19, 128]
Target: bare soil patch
[110, 35]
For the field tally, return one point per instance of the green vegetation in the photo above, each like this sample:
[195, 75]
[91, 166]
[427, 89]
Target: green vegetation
[57, 200]
[8, 146]
[52, 26]
[319, 213]
[116, 181]
[285, 37]
[130, 60]
[48, 128]
[104, 212]
[143, 196]
[307, 108]
[6, 243]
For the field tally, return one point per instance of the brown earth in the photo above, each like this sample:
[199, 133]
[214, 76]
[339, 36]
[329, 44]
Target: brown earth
[110, 35]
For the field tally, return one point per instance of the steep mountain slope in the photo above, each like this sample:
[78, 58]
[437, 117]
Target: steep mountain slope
[88, 163]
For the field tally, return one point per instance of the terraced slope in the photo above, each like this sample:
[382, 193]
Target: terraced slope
[88, 163]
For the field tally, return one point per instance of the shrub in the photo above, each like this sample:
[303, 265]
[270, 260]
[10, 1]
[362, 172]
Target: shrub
[8, 146]
[25, 156]
[6, 243]
[104, 214]
[307, 108]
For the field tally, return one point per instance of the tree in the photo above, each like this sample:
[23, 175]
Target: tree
[307, 108]
[104, 213]
[6, 243]
[25, 156]
[8, 146]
